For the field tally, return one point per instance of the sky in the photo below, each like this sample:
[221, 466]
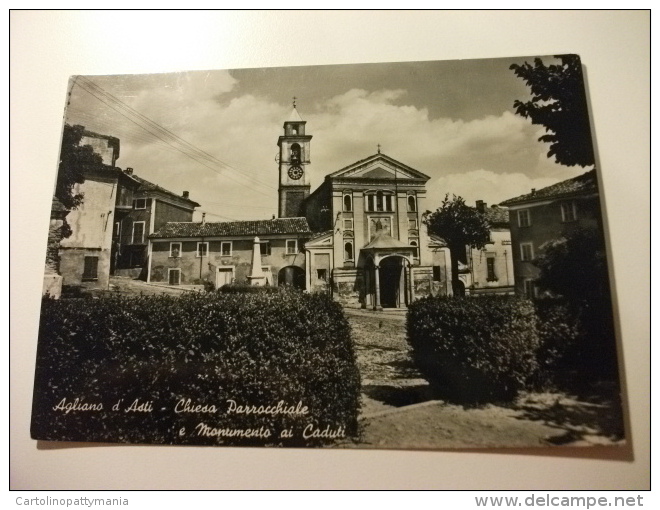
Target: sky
[214, 133]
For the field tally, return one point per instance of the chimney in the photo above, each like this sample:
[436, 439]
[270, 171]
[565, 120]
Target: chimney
[273, 216]
[481, 206]
[203, 218]
[129, 171]
[186, 194]
[533, 191]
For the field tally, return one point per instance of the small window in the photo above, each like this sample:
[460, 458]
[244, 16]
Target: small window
[226, 249]
[523, 218]
[568, 212]
[140, 203]
[265, 248]
[348, 250]
[117, 230]
[530, 289]
[174, 276]
[348, 224]
[412, 203]
[415, 244]
[322, 274]
[175, 250]
[437, 274]
[348, 203]
[202, 249]
[412, 224]
[379, 201]
[91, 268]
[291, 246]
[526, 252]
[490, 266]
[138, 232]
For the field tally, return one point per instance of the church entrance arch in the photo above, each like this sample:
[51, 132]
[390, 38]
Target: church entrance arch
[393, 284]
[293, 276]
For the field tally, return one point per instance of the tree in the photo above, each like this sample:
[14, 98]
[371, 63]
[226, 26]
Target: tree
[459, 225]
[574, 267]
[559, 103]
[74, 160]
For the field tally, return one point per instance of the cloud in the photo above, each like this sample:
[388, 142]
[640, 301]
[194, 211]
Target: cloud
[491, 187]
[491, 158]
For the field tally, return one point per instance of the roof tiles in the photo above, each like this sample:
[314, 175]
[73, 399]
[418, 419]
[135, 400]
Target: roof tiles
[582, 184]
[234, 228]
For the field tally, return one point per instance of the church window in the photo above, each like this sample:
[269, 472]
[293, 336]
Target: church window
[295, 153]
[388, 202]
[348, 250]
[225, 249]
[415, 244]
[412, 203]
[348, 203]
[291, 246]
[379, 201]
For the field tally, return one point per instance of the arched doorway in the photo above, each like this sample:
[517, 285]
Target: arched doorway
[293, 276]
[392, 282]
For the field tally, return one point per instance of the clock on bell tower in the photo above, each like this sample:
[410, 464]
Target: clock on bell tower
[293, 158]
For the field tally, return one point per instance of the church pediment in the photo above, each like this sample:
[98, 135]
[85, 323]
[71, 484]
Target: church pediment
[379, 167]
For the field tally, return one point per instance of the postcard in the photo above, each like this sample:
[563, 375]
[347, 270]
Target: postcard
[403, 255]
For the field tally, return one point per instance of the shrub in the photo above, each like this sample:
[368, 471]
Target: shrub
[243, 288]
[254, 349]
[475, 349]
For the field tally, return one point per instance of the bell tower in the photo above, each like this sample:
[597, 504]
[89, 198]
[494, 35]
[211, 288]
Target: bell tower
[293, 158]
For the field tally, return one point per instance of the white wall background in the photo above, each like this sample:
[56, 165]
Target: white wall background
[47, 47]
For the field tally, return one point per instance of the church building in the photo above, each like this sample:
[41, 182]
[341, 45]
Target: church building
[370, 247]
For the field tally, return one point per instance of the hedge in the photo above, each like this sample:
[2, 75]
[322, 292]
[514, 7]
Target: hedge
[211, 349]
[474, 349]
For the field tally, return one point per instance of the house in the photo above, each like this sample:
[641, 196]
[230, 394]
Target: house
[490, 270]
[85, 257]
[153, 206]
[187, 253]
[544, 215]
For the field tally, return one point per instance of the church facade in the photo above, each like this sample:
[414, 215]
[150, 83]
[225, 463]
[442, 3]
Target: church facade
[369, 246]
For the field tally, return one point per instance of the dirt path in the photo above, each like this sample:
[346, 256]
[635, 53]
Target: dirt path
[399, 409]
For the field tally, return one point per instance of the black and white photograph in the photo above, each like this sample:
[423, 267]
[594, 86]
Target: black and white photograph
[399, 255]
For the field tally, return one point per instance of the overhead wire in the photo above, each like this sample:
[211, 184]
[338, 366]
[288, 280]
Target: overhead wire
[166, 136]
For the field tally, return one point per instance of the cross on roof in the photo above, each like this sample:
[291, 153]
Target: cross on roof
[294, 101]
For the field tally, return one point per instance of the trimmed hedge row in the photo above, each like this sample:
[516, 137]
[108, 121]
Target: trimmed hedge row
[253, 349]
[474, 349]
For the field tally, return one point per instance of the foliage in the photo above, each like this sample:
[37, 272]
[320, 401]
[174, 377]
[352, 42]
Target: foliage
[575, 268]
[74, 159]
[459, 225]
[558, 103]
[475, 349]
[207, 347]
[242, 288]
[559, 335]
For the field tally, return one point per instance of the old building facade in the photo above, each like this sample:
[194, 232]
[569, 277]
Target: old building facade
[222, 252]
[153, 206]
[544, 215]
